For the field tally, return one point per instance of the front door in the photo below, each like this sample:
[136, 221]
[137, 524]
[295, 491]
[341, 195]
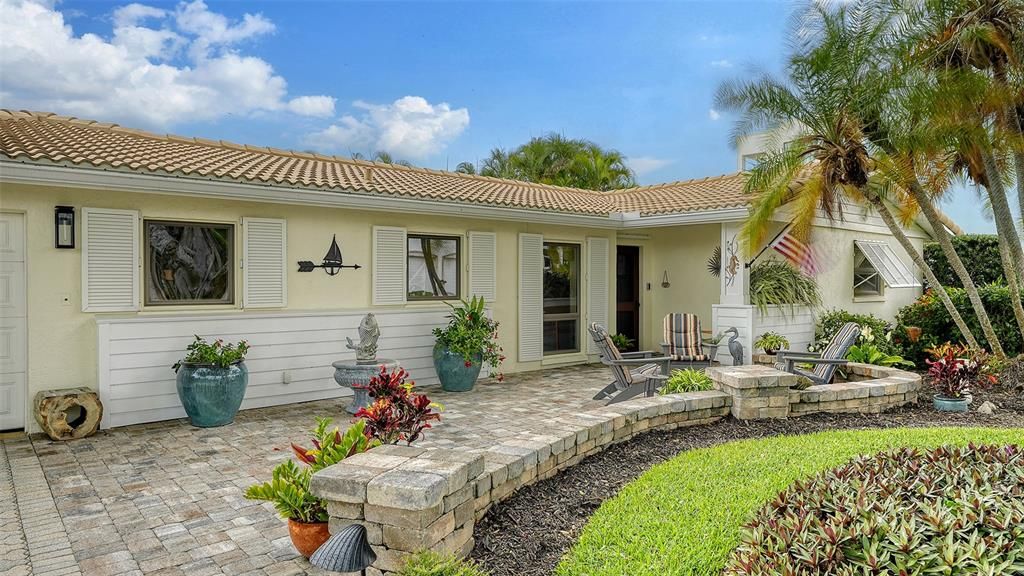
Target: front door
[627, 293]
[13, 326]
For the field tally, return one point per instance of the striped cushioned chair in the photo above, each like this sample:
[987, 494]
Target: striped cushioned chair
[683, 341]
[646, 375]
[825, 362]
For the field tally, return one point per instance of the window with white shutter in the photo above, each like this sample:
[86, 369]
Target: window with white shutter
[264, 263]
[531, 297]
[597, 285]
[483, 265]
[110, 260]
[389, 265]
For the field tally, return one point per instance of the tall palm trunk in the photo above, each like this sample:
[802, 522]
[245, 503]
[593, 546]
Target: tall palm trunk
[920, 196]
[1010, 251]
[901, 237]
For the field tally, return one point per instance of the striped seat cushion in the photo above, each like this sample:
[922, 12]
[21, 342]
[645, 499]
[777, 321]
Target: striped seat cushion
[837, 348]
[683, 336]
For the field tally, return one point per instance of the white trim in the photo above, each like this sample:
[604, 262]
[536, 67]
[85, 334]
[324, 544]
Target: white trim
[636, 220]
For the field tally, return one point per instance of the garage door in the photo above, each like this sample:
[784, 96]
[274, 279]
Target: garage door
[13, 324]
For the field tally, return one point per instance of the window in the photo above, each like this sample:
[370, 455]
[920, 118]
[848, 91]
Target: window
[750, 161]
[189, 263]
[866, 280]
[561, 298]
[434, 267]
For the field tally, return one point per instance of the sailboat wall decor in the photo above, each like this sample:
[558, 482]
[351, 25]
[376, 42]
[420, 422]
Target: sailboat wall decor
[332, 263]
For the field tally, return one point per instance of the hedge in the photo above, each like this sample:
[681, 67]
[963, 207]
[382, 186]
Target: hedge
[937, 325]
[979, 253]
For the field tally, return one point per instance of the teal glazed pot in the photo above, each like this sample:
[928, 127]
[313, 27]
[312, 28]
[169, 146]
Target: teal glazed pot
[210, 394]
[943, 404]
[451, 369]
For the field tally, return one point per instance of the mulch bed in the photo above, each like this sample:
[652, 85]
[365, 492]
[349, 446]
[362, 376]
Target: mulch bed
[528, 533]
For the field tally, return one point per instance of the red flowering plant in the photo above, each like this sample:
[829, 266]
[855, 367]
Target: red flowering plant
[955, 377]
[473, 335]
[397, 413]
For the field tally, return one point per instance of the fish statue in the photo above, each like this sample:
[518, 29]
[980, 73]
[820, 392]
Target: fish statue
[366, 348]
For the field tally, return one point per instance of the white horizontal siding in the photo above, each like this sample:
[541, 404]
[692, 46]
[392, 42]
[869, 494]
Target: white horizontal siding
[797, 325]
[137, 385]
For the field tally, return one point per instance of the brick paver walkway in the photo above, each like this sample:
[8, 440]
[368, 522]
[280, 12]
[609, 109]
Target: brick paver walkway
[166, 498]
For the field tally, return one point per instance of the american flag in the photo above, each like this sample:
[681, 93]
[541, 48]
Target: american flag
[799, 254]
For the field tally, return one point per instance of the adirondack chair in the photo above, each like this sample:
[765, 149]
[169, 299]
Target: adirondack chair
[635, 373]
[683, 342]
[825, 362]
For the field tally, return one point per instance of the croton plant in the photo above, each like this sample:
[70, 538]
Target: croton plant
[957, 371]
[398, 413]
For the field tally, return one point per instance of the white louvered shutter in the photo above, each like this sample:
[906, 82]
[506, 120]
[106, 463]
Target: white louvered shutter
[597, 285]
[264, 263]
[110, 260]
[483, 265]
[389, 265]
[531, 297]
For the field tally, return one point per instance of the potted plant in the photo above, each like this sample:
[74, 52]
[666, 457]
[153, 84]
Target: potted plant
[397, 412]
[771, 342]
[288, 488]
[954, 379]
[622, 342]
[211, 381]
[469, 340]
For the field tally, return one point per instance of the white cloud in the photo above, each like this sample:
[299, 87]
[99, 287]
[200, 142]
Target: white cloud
[409, 127]
[646, 164]
[319, 106]
[140, 75]
[723, 63]
[714, 114]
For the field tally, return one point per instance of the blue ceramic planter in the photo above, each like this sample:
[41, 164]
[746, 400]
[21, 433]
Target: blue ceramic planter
[943, 404]
[452, 371]
[210, 394]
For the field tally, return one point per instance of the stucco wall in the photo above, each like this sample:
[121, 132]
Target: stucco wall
[62, 339]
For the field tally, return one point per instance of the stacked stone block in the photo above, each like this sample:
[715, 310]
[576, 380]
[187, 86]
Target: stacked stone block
[757, 392]
[413, 499]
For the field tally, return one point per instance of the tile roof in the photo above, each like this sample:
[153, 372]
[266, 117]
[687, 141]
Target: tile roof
[47, 138]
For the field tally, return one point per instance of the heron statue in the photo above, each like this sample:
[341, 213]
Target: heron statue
[735, 346]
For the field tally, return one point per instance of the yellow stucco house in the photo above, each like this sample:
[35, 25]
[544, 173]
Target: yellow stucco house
[117, 245]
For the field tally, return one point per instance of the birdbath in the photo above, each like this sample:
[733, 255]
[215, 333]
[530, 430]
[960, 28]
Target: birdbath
[356, 375]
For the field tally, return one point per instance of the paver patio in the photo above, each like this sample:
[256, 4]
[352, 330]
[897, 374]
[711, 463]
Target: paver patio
[166, 498]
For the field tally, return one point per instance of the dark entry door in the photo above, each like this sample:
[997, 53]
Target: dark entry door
[627, 293]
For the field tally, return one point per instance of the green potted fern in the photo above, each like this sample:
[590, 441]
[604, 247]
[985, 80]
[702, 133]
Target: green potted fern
[771, 342]
[288, 488]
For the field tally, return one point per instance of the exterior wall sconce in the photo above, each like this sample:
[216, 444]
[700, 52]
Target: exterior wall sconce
[664, 280]
[332, 263]
[64, 227]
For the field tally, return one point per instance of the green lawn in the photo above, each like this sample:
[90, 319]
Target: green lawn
[683, 517]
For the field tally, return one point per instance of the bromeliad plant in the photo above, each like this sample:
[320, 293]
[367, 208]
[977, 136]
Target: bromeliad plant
[954, 377]
[952, 510]
[288, 488]
[471, 334]
[217, 354]
[397, 414]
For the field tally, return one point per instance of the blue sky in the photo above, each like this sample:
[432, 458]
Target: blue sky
[433, 82]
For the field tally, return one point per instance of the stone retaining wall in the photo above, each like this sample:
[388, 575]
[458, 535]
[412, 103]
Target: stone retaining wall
[412, 498]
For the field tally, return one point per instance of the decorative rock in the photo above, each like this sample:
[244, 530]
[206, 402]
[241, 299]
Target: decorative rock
[68, 414]
[987, 408]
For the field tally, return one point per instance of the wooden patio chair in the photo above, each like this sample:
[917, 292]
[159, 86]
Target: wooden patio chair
[825, 362]
[684, 341]
[635, 373]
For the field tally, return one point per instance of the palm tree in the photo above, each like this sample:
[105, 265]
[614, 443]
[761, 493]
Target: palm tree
[466, 168]
[822, 98]
[382, 156]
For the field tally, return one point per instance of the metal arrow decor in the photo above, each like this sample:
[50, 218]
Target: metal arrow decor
[332, 263]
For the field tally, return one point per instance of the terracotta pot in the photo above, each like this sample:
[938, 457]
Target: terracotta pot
[914, 333]
[307, 537]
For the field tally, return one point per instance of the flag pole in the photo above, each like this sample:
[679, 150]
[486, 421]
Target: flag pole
[776, 237]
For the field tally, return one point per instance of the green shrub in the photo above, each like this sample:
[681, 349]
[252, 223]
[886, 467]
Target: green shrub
[952, 510]
[776, 283]
[979, 253]
[874, 331]
[434, 564]
[688, 380]
[937, 326]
